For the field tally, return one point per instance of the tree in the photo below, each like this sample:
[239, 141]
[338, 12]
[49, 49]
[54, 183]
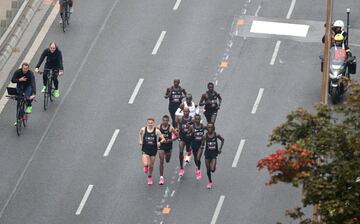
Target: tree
[321, 153]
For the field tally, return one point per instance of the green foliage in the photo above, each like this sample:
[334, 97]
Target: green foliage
[332, 136]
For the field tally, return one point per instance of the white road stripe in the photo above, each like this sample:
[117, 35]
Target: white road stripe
[238, 153]
[291, 9]
[83, 201]
[257, 101]
[111, 143]
[34, 47]
[218, 209]
[176, 6]
[276, 50]
[158, 43]
[136, 90]
[257, 10]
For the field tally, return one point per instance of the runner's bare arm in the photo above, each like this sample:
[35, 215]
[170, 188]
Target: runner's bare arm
[141, 136]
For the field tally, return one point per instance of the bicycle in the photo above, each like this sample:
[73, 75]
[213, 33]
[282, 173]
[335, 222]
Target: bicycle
[66, 15]
[49, 86]
[21, 116]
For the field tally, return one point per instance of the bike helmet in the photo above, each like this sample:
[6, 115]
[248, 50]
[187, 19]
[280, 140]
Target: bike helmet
[339, 23]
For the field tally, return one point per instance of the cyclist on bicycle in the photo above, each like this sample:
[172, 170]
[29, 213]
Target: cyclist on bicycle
[53, 62]
[61, 11]
[25, 84]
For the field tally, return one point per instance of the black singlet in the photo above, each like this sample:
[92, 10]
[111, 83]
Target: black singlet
[167, 135]
[176, 96]
[211, 144]
[150, 140]
[213, 98]
[184, 125]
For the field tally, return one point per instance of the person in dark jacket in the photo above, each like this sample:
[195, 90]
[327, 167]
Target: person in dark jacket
[53, 62]
[25, 84]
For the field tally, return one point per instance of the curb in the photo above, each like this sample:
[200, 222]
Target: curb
[14, 32]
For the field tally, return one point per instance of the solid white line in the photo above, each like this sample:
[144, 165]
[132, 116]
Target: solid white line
[291, 9]
[257, 101]
[84, 199]
[76, 76]
[136, 90]
[238, 153]
[34, 47]
[176, 6]
[217, 210]
[276, 50]
[158, 43]
[111, 143]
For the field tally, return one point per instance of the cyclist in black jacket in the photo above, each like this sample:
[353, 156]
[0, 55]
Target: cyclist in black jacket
[54, 61]
[25, 84]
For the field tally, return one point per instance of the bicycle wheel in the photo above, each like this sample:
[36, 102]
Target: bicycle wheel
[64, 22]
[67, 12]
[46, 98]
[19, 114]
[50, 83]
[24, 119]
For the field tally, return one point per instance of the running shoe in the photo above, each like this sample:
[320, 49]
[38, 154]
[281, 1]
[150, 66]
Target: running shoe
[28, 109]
[146, 168]
[209, 185]
[198, 175]
[181, 172]
[161, 181]
[150, 181]
[56, 93]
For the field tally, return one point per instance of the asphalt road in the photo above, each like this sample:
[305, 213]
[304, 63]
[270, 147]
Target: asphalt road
[45, 172]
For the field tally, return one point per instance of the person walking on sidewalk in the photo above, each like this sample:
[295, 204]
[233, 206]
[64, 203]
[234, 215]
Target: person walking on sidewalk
[54, 61]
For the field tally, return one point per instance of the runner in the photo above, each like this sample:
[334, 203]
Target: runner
[185, 137]
[175, 94]
[197, 143]
[148, 140]
[165, 148]
[211, 150]
[211, 100]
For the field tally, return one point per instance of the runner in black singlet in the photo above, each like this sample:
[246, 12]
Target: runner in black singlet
[185, 133]
[211, 150]
[196, 143]
[211, 100]
[175, 94]
[148, 139]
[165, 148]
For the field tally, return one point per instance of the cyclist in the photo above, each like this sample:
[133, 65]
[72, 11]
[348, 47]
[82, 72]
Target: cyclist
[211, 150]
[165, 148]
[175, 94]
[25, 84]
[185, 133]
[54, 61]
[62, 8]
[148, 136]
[211, 100]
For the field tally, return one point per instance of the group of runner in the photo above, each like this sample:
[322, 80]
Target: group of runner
[188, 129]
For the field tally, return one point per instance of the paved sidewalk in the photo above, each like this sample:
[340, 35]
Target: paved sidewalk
[8, 10]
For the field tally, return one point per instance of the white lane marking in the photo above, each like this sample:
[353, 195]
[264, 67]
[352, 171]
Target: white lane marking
[158, 43]
[356, 45]
[257, 101]
[80, 68]
[34, 47]
[238, 153]
[291, 9]
[172, 193]
[243, 11]
[275, 28]
[218, 209]
[276, 50]
[111, 143]
[176, 6]
[84, 199]
[136, 90]
[257, 10]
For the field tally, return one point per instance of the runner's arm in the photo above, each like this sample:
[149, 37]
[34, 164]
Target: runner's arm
[167, 93]
[222, 141]
[141, 136]
[161, 136]
[203, 99]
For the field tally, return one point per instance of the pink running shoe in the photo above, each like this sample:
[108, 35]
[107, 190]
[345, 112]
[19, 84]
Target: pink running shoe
[181, 172]
[150, 181]
[198, 175]
[146, 168]
[209, 185]
[196, 170]
[161, 181]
